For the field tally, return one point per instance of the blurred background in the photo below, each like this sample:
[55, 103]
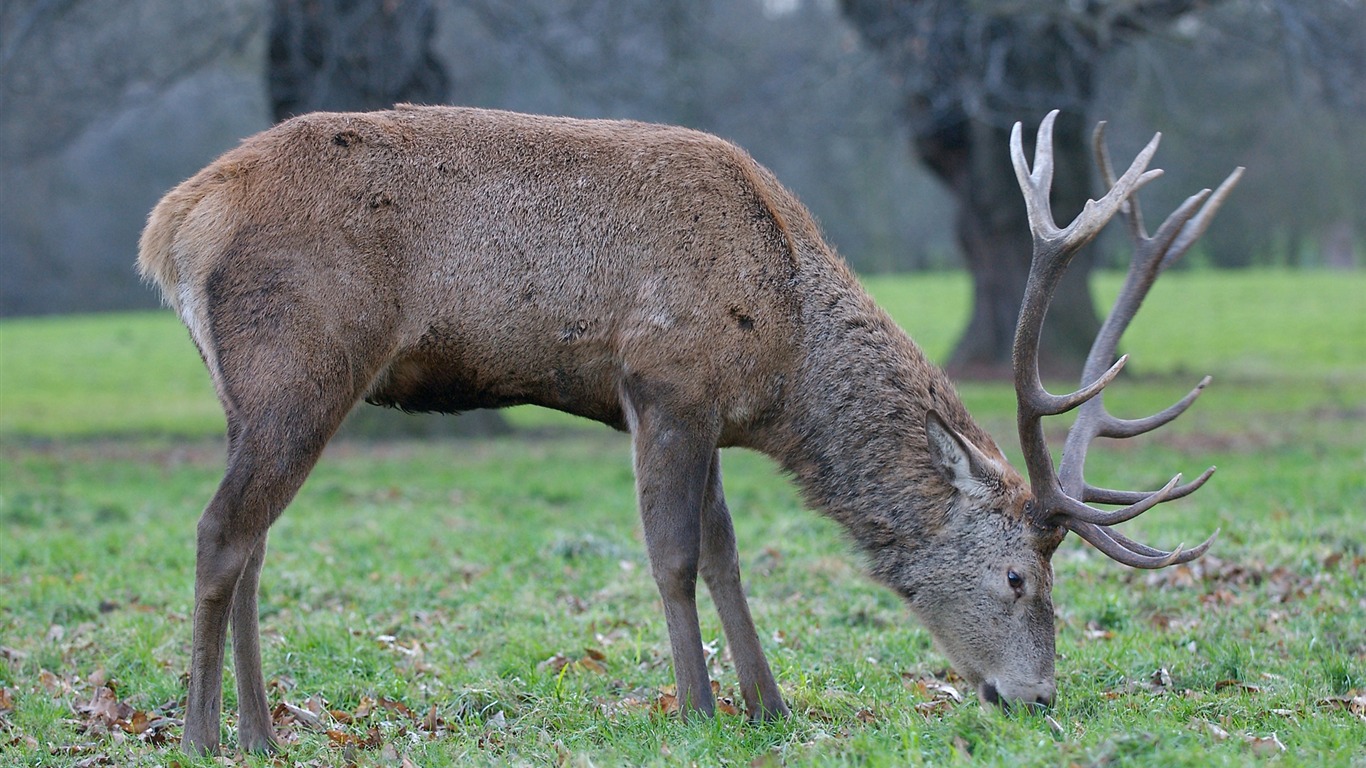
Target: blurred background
[889, 119]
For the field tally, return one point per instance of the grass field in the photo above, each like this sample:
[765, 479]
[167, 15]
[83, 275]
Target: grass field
[489, 602]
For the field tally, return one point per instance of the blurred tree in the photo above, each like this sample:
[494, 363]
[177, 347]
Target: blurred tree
[967, 70]
[353, 55]
[66, 63]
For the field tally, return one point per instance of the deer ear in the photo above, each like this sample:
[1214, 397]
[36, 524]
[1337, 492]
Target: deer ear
[961, 464]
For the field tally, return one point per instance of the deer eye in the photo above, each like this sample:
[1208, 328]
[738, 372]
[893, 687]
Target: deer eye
[1016, 582]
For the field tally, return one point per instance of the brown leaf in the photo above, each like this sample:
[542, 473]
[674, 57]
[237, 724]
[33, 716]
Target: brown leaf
[6, 702]
[364, 707]
[1205, 726]
[595, 654]
[104, 708]
[1161, 678]
[666, 703]
[54, 685]
[299, 715]
[1354, 703]
[396, 707]
[1239, 684]
[432, 722]
[591, 665]
[138, 723]
[1265, 745]
[555, 664]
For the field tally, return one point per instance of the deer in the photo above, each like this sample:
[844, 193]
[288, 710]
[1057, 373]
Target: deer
[659, 280]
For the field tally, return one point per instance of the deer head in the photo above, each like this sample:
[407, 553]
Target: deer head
[989, 601]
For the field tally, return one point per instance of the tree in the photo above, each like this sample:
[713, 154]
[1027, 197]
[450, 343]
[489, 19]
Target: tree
[967, 70]
[353, 55]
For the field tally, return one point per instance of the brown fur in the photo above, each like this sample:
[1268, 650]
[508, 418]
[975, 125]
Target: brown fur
[653, 278]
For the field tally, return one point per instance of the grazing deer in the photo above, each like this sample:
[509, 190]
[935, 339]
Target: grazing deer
[658, 280]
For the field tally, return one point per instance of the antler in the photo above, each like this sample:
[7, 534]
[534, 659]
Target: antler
[1062, 495]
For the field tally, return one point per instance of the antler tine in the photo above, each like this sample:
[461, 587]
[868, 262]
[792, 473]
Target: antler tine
[1121, 548]
[1133, 215]
[1112, 426]
[1103, 539]
[1196, 227]
[1112, 496]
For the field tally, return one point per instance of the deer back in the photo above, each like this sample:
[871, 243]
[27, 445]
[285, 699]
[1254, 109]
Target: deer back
[499, 258]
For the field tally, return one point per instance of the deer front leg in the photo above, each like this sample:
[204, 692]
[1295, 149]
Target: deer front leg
[720, 567]
[672, 459]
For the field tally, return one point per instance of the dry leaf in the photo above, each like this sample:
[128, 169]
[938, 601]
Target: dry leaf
[1265, 745]
[54, 685]
[1206, 726]
[1161, 678]
[396, 707]
[299, 715]
[1055, 726]
[6, 701]
[1354, 703]
[555, 664]
[104, 708]
[666, 703]
[432, 722]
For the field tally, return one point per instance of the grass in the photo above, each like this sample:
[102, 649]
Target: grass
[488, 602]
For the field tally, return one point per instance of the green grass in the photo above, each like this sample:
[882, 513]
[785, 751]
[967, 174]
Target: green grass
[439, 577]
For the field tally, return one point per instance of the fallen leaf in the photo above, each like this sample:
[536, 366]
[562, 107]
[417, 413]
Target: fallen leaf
[1354, 703]
[396, 707]
[1161, 678]
[54, 685]
[555, 664]
[666, 703]
[1239, 684]
[299, 715]
[6, 702]
[1265, 745]
[1055, 726]
[1209, 728]
[104, 708]
[138, 723]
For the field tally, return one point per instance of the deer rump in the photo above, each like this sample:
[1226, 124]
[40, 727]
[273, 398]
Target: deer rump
[470, 259]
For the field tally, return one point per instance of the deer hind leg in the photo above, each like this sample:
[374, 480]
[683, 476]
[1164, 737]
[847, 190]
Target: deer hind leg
[720, 567]
[282, 407]
[672, 458]
[254, 732]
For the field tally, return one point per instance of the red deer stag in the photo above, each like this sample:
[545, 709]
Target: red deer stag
[655, 279]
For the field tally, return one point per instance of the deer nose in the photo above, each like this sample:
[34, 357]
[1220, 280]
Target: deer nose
[1034, 698]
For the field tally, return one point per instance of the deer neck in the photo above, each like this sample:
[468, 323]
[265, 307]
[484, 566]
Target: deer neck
[853, 433]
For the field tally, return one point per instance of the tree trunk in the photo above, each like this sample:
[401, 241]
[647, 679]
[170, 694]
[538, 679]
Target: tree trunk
[972, 158]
